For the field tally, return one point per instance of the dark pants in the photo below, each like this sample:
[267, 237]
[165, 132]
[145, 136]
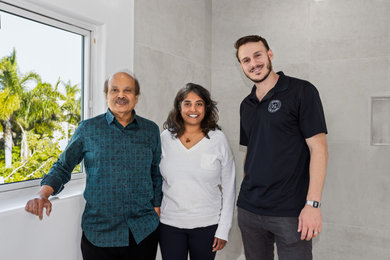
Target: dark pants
[175, 243]
[146, 250]
[259, 233]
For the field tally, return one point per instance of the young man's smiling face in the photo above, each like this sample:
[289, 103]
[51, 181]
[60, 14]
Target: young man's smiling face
[255, 61]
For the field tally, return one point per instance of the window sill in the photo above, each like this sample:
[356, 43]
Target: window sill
[16, 199]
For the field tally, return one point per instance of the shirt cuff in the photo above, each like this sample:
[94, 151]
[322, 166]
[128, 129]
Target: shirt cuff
[222, 232]
[53, 182]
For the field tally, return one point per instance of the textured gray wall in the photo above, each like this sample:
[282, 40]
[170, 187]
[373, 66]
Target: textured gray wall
[341, 46]
[172, 48]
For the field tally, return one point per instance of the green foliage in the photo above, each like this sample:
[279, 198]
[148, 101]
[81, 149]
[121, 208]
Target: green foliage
[35, 114]
[71, 108]
[9, 103]
[44, 153]
[40, 109]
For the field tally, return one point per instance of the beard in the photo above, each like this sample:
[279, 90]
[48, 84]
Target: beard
[269, 67]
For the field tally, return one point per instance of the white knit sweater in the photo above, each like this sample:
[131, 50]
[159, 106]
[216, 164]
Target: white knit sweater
[198, 183]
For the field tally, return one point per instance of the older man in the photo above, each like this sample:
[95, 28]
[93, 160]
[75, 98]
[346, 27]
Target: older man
[121, 153]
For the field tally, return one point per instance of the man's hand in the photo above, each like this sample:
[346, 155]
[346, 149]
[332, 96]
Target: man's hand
[218, 244]
[35, 206]
[310, 222]
[157, 209]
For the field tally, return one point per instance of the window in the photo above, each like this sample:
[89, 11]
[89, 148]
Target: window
[44, 67]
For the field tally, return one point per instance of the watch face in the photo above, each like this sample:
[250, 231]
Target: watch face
[316, 204]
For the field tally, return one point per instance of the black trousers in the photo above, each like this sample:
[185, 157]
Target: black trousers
[176, 243]
[146, 250]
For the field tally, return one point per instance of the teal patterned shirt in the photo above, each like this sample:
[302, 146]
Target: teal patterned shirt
[123, 181]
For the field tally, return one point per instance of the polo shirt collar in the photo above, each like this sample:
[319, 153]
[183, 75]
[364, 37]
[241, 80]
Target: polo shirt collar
[281, 85]
[111, 118]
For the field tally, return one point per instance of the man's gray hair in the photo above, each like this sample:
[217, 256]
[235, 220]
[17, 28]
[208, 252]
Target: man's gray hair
[126, 72]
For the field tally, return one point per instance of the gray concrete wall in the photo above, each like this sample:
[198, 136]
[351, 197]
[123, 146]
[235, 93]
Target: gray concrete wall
[342, 47]
[172, 48]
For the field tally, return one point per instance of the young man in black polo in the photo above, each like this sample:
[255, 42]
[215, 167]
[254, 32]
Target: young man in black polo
[282, 124]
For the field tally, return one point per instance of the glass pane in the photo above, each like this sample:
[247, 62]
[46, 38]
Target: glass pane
[40, 95]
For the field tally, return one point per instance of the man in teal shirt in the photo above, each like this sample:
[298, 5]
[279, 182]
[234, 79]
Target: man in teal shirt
[121, 153]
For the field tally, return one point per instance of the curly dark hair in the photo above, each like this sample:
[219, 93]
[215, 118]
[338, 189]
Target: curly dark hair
[175, 123]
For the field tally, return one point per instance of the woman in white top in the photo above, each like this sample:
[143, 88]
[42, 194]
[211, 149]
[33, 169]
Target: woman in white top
[198, 172]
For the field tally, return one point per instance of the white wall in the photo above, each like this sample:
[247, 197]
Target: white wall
[23, 236]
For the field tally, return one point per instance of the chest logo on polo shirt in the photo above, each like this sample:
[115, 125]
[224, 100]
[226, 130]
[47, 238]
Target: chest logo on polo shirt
[274, 105]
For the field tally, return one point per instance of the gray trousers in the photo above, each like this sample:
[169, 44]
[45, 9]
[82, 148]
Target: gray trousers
[259, 233]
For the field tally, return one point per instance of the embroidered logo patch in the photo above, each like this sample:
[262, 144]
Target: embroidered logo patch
[274, 106]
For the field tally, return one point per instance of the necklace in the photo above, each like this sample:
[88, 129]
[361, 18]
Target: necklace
[192, 137]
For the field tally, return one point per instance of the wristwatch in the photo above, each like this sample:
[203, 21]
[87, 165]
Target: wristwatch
[313, 203]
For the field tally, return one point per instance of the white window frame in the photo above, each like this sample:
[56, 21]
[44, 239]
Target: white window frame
[68, 23]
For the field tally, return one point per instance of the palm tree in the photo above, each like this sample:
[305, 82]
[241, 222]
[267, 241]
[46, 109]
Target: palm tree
[14, 84]
[10, 103]
[37, 118]
[71, 108]
[39, 112]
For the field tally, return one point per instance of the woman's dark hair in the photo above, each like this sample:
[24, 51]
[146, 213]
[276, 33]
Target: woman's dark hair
[175, 123]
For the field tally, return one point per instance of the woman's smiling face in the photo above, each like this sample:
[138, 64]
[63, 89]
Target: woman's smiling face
[192, 109]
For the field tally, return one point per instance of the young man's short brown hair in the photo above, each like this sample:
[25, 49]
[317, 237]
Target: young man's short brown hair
[249, 38]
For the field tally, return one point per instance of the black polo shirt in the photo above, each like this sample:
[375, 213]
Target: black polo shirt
[277, 163]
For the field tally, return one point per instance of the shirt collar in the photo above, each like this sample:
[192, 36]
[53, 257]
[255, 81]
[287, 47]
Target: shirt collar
[111, 118]
[281, 85]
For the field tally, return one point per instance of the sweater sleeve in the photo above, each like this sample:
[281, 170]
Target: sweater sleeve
[228, 183]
